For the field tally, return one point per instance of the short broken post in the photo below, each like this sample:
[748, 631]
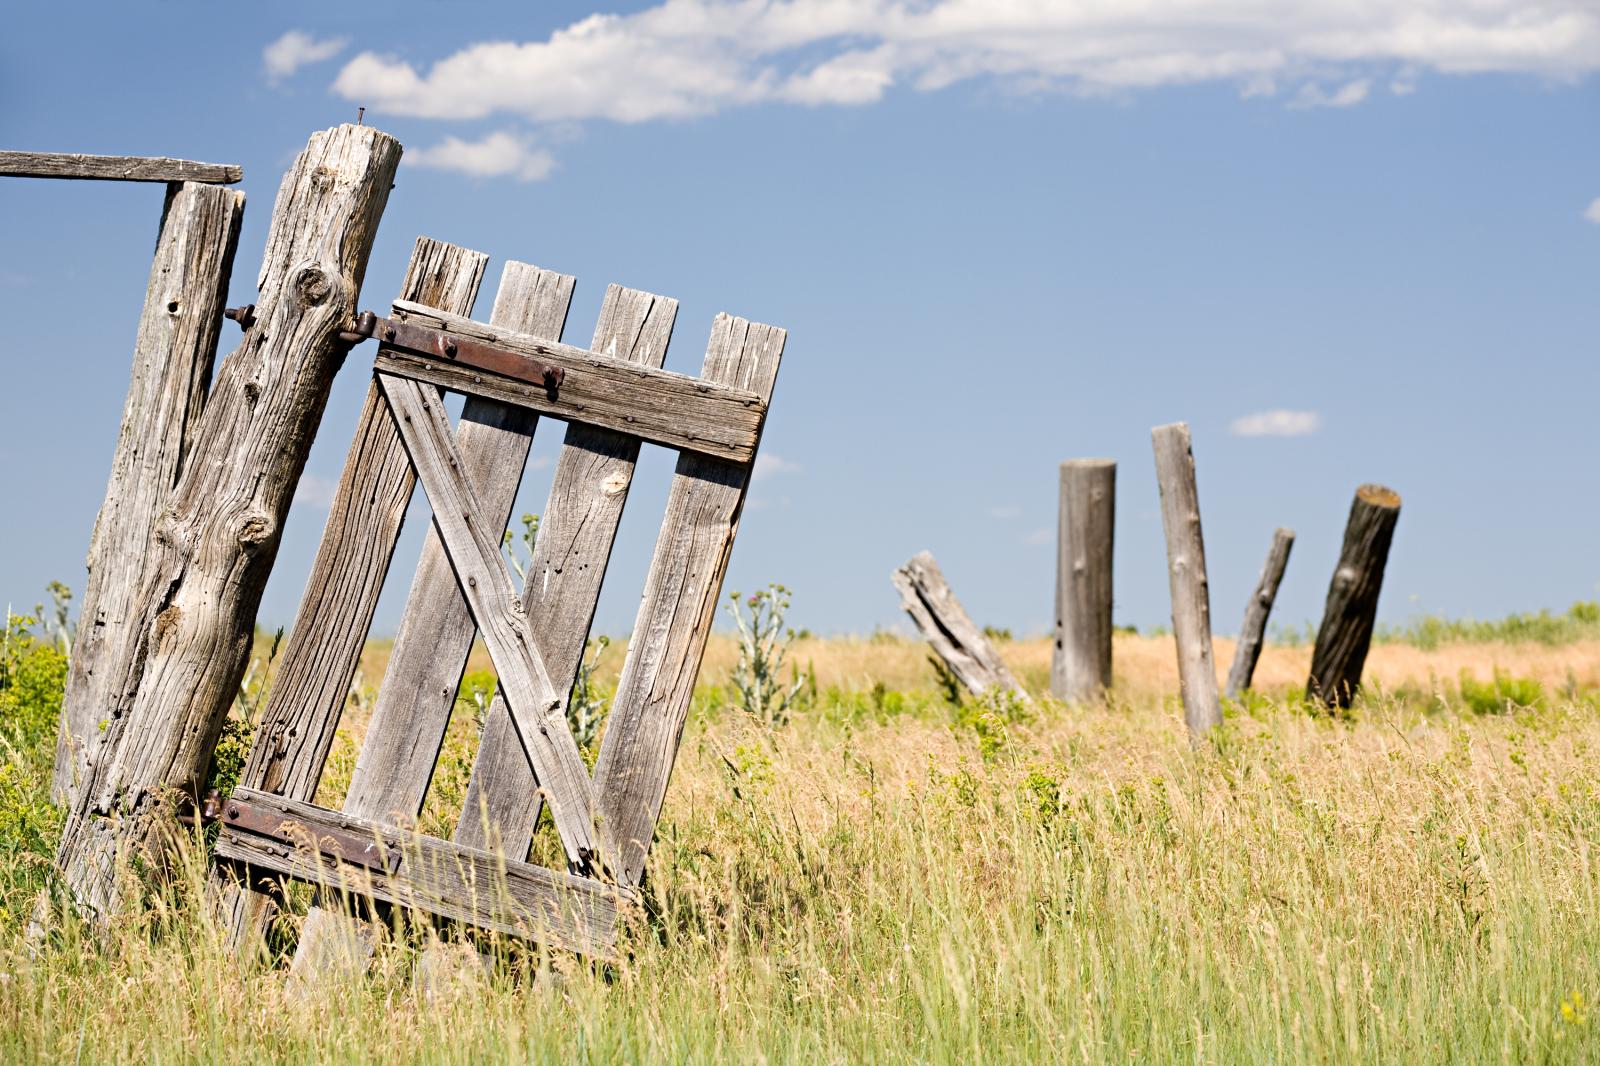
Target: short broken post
[947, 627]
[1080, 664]
[1253, 631]
[172, 356]
[1186, 573]
[1352, 609]
[188, 636]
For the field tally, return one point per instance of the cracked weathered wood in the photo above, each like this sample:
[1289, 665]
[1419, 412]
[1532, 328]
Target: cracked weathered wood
[1252, 633]
[472, 541]
[188, 639]
[576, 534]
[436, 877]
[74, 165]
[418, 691]
[674, 620]
[1352, 609]
[673, 410]
[312, 680]
[1186, 574]
[172, 357]
[949, 630]
[1080, 668]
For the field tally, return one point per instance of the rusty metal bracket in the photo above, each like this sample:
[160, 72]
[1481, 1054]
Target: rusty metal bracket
[338, 845]
[452, 347]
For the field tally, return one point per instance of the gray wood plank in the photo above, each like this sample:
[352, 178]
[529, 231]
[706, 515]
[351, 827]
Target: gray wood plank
[576, 534]
[1252, 632]
[74, 165]
[680, 600]
[473, 544]
[172, 357]
[312, 679]
[670, 409]
[1080, 668]
[1186, 575]
[949, 630]
[418, 691]
[436, 877]
[188, 638]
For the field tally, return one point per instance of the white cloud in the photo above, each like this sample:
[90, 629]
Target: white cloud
[769, 464]
[1592, 212]
[498, 155]
[1278, 423]
[315, 491]
[294, 50]
[683, 58]
[1005, 512]
[1036, 537]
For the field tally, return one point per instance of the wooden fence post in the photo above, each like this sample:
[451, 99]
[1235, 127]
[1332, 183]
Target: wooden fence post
[172, 355]
[1186, 572]
[927, 598]
[1080, 666]
[1253, 631]
[1347, 621]
[189, 631]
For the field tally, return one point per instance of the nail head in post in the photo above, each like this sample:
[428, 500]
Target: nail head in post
[245, 316]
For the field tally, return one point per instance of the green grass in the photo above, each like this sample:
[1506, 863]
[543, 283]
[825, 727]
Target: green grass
[892, 879]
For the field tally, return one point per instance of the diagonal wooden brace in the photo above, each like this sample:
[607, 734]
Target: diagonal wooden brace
[486, 585]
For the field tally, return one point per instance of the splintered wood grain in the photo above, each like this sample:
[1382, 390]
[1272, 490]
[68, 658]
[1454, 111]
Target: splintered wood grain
[576, 534]
[680, 600]
[949, 630]
[435, 877]
[1252, 633]
[1186, 576]
[670, 409]
[177, 671]
[115, 168]
[172, 357]
[312, 679]
[473, 544]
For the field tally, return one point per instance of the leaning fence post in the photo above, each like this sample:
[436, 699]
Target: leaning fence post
[1352, 609]
[1080, 666]
[1186, 572]
[1252, 632]
[926, 597]
[177, 340]
[177, 669]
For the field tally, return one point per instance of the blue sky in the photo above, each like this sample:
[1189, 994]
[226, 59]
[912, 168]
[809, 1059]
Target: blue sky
[1345, 242]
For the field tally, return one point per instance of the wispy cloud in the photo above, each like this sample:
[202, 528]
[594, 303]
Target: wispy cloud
[696, 57]
[1592, 212]
[315, 491]
[497, 155]
[1279, 423]
[1035, 537]
[1005, 512]
[294, 50]
[770, 464]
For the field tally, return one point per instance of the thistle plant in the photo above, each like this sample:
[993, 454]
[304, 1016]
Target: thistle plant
[764, 643]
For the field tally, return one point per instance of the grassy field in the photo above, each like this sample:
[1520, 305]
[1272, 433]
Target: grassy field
[892, 878]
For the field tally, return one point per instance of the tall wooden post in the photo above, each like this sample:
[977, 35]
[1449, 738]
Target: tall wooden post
[172, 357]
[1080, 667]
[1253, 631]
[1347, 622]
[177, 670]
[1186, 572]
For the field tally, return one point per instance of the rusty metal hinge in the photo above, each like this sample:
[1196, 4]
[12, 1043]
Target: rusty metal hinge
[442, 344]
[339, 845]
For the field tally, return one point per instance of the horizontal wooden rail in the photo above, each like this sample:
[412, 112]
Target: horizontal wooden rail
[455, 882]
[115, 168]
[674, 410]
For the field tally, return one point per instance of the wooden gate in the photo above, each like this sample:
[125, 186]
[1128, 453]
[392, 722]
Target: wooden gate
[512, 370]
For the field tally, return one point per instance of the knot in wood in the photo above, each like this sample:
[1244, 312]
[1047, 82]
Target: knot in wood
[313, 286]
[166, 626]
[254, 529]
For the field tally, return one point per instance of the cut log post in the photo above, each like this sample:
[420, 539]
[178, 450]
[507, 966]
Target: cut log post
[172, 356]
[948, 629]
[1080, 668]
[1253, 631]
[188, 636]
[1347, 621]
[1186, 573]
